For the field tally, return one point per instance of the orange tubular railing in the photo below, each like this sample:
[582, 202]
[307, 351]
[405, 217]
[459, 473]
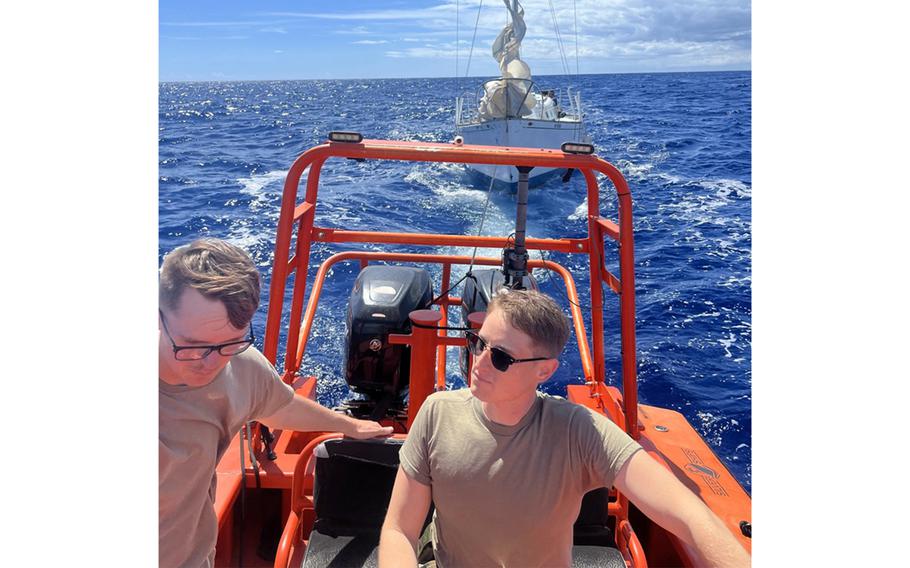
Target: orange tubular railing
[428, 345]
[296, 351]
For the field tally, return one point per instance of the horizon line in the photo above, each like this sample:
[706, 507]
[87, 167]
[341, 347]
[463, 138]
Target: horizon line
[448, 77]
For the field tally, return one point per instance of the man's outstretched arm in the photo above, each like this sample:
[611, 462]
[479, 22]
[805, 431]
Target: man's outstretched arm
[304, 415]
[670, 504]
[408, 509]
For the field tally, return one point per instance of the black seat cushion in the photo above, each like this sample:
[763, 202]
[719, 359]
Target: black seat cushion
[596, 557]
[592, 526]
[351, 492]
[353, 485]
[326, 551]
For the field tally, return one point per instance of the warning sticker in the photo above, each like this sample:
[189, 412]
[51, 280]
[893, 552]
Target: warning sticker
[696, 466]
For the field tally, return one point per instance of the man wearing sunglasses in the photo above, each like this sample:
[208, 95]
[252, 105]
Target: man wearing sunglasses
[210, 382]
[507, 466]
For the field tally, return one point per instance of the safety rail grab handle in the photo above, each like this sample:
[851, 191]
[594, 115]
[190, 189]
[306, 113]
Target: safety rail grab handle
[609, 227]
[299, 333]
[632, 544]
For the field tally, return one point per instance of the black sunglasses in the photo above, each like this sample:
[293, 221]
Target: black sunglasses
[500, 359]
[198, 352]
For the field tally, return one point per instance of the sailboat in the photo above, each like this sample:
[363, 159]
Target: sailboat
[512, 111]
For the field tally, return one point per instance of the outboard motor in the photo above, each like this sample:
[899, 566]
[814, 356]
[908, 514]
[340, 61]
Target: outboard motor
[380, 302]
[479, 288]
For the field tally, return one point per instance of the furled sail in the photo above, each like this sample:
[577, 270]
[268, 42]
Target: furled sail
[507, 44]
[508, 98]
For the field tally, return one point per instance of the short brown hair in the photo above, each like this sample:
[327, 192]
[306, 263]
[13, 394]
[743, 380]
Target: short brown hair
[536, 315]
[216, 269]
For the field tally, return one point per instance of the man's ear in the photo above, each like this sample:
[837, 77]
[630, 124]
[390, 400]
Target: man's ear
[545, 369]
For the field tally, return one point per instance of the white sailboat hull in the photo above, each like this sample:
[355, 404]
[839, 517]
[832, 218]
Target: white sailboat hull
[524, 133]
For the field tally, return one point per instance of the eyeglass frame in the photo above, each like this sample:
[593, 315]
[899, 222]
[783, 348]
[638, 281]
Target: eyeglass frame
[210, 348]
[496, 352]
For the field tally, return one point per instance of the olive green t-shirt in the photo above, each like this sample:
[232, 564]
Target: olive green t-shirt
[195, 427]
[509, 495]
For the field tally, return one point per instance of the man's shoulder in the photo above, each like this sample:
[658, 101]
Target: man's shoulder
[447, 397]
[560, 409]
[446, 405]
[251, 358]
[557, 404]
[250, 367]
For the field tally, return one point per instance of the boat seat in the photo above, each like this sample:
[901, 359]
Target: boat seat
[596, 557]
[592, 528]
[351, 491]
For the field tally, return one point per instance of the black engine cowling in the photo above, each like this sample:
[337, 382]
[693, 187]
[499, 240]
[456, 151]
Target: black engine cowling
[380, 302]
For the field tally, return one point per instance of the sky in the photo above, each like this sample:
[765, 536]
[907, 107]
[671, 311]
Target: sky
[208, 40]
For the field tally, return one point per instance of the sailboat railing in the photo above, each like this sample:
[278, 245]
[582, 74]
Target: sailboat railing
[475, 107]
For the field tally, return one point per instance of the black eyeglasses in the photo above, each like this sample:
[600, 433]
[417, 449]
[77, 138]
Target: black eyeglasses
[197, 352]
[500, 359]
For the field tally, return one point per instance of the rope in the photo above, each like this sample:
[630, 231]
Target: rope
[483, 216]
[457, 46]
[562, 54]
[471, 52]
[479, 231]
[575, 11]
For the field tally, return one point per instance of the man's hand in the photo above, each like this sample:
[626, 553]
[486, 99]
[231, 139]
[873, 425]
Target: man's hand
[363, 429]
[305, 415]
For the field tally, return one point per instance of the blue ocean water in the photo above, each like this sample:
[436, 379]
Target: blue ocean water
[682, 140]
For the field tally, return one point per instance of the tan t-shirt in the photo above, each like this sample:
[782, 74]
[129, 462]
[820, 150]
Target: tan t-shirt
[509, 495]
[195, 427]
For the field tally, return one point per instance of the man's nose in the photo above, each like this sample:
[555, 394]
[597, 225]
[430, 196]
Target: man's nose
[483, 361]
[212, 360]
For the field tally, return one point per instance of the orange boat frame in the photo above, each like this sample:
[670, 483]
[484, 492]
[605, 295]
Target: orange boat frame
[664, 434]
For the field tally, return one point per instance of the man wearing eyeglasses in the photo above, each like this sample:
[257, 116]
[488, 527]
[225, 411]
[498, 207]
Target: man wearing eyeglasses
[211, 381]
[506, 466]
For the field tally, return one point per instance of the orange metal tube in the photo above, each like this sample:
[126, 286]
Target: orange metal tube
[430, 152]
[423, 352]
[627, 310]
[609, 228]
[595, 258]
[466, 154]
[444, 310]
[302, 261]
[282, 556]
[283, 242]
[634, 545]
[298, 498]
[310, 314]
[327, 235]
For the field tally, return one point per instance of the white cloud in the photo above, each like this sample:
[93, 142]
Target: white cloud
[370, 42]
[357, 30]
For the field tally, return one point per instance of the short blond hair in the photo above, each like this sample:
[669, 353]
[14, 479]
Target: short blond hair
[536, 315]
[216, 269]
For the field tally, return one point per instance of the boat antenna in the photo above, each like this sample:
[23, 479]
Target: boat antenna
[515, 257]
[457, 47]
